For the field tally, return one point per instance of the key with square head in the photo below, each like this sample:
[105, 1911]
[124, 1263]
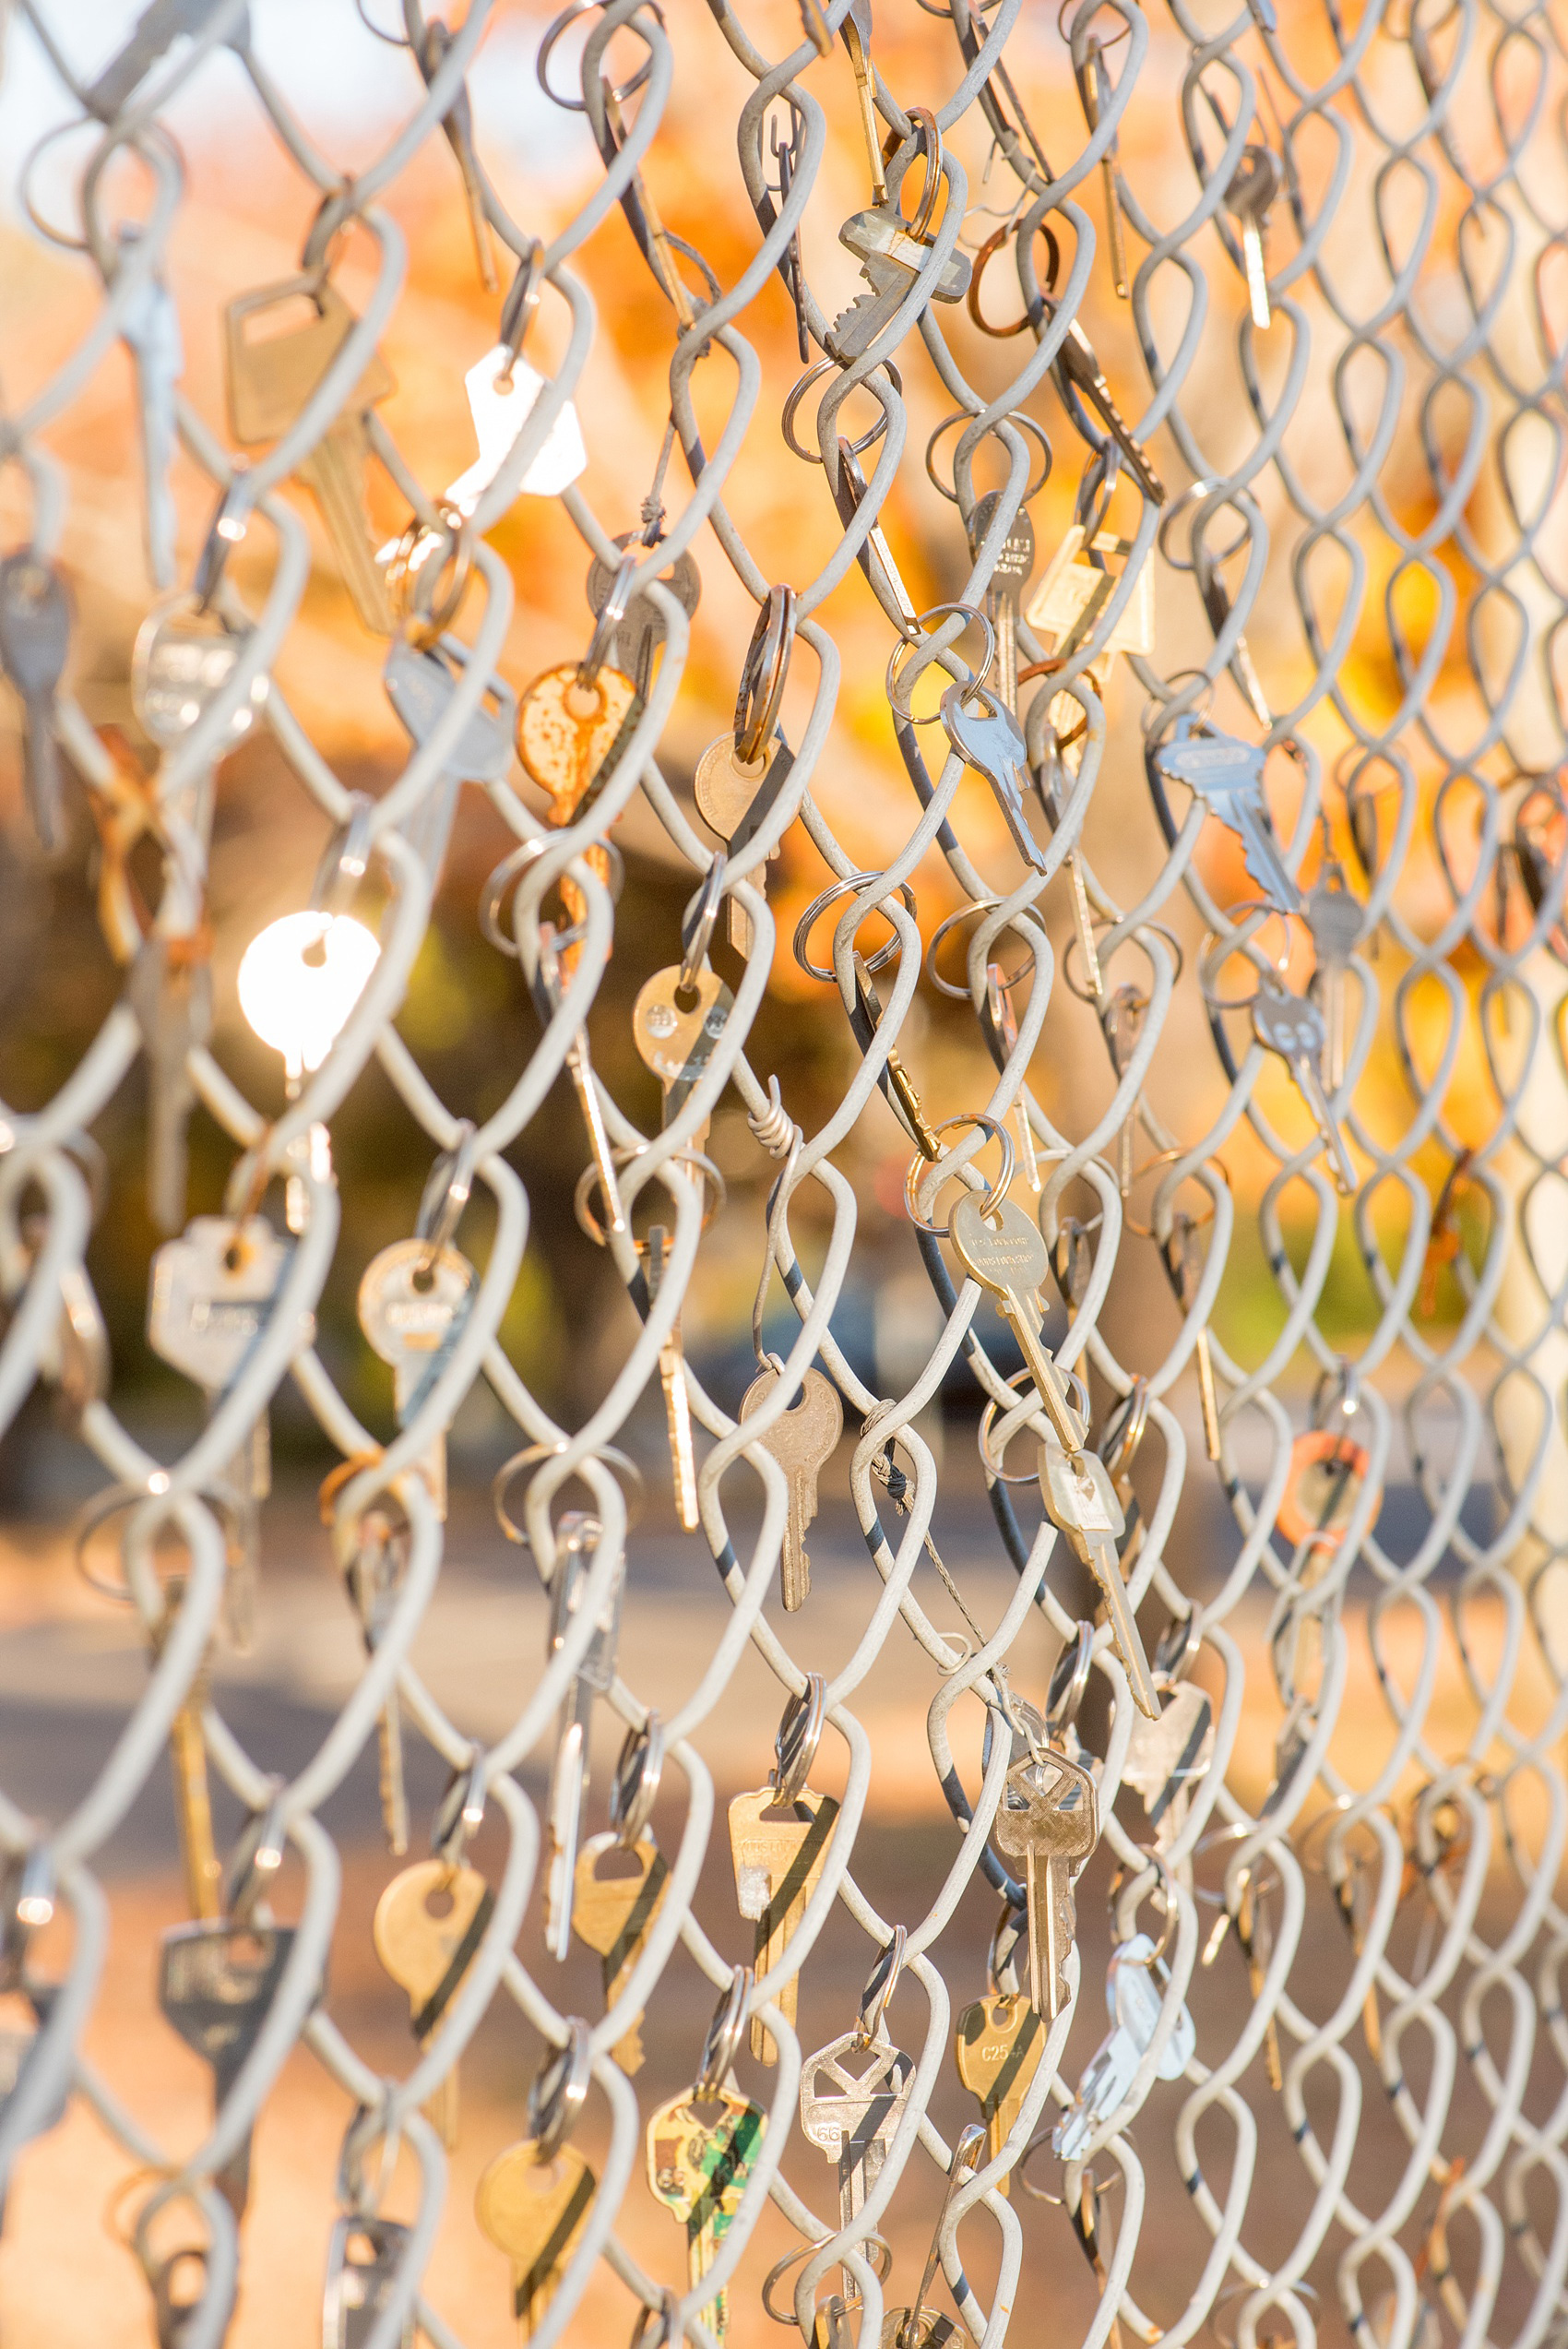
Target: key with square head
[1094, 90]
[1050, 1820]
[216, 1984]
[428, 1925]
[1226, 775]
[1080, 1499]
[414, 1303]
[983, 730]
[853, 2094]
[779, 1850]
[803, 1442]
[1122, 1017]
[35, 638]
[503, 392]
[619, 1889]
[1292, 1027]
[419, 683]
[1007, 1256]
[1167, 1757]
[653, 1252]
[373, 1574]
[270, 377]
[364, 2257]
[578, 1537]
[866, 318]
[734, 799]
[675, 1031]
[1335, 917]
[1076, 372]
[1003, 595]
[1000, 2042]
[535, 2211]
[154, 33]
[151, 329]
[170, 992]
[1254, 183]
[640, 631]
[1182, 1253]
[699, 2157]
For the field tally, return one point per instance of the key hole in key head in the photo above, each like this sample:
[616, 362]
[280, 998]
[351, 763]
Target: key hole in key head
[438, 1900]
[422, 1278]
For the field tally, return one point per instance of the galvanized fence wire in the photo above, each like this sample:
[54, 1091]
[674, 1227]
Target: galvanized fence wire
[1371, 489]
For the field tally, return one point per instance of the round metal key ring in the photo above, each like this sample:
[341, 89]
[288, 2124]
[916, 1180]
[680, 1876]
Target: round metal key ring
[925, 643]
[587, 1182]
[923, 1169]
[992, 1464]
[875, 2247]
[721, 2041]
[152, 130]
[963, 416]
[982, 260]
[559, 2092]
[427, 594]
[1128, 1892]
[510, 870]
[1006, 981]
[814, 374]
[532, 1455]
[120, 1499]
[635, 1785]
[1069, 1684]
[887, 952]
[763, 674]
[800, 1735]
[1193, 494]
[570, 15]
[1133, 938]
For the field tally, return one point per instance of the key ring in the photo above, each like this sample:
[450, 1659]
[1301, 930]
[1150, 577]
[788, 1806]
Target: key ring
[703, 925]
[875, 2246]
[880, 1984]
[717, 1190]
[966, 913]
[721, 2042]
[636, 1783]
[1124, 1430]
[559, 2092]
[814, 374]
[448, 1188]
[1068, 1684]
[800, 1735]
[886, 953]
[763, 674]
[970, 681]
[1020, 418]
[510, 870]
[553, 34]
[923, 1170]
[985, 255]
[1125, 1885]
[531, 1455]
[994, 1467]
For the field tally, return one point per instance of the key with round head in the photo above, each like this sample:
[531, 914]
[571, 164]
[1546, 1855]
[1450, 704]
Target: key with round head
[577, 1542]
[700, 2155]
[734, 798]
[1292, 1026]
[1050, 1821]
[675, 1028]
[619, 1889]
[1081, 1500]
[35, 637]
[983, 730]
[999, 2044]
[216, 1984]
[414, 1303]
[428, 1925]
[365, 2257]
[778, 1850]
[534, 2210]
[1006, 1255]
[1254, 185]
[803, 1442]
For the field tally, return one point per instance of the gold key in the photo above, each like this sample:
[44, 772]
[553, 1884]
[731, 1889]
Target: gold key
[1000, 2042]
[654, 1251]
[571, 732]
[428, 1924]
[699, 2156]
[734, 798]
[534, 2210]
[779, 1850]
[616, 1899]
[675, 1028]
[1048, 1819]
[270, 378]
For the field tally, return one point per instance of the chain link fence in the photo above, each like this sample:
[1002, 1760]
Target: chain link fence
[1233, 823]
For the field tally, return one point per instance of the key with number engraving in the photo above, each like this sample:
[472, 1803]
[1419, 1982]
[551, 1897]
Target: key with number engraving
[700, 2155]
[578, 1537]
[675, 1029]
[1080, 1499]
[853, 2094]
[1254, 183]
[414, 1303]
[1293, 1027]
[428, 1925]
[1050, 1820]
[803, 1442]
[779, 1850]
[364, 2257]
[1227, 776]
[271, 375]
[35, 637]
[1000, 2042]
[1008, 1257]
[216, 1984]
[983, 730]
[535, 2211]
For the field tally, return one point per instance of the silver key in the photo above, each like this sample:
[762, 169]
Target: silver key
[1227, 776]
[215, 1985]
[420, 685]
[852, 2098]
[171, 991]
[855, 328]
[1293, 1027]
[155, 31]
[1008, 1257]
[152, 331]
[1008, 580]
[414, 1304]
[1335, 918]
[641, 631]
[364, 2259]
[35, 638]
[1122, 1020]
[1254, 183]
[983, 730]
[1168, 1757]
[210, 1294]
[577, 1540]
[801, 1441]
[182, 660]
[1135, 1986]
[1080, 1500]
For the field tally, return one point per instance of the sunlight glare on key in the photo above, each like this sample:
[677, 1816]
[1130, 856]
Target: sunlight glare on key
[300, 978]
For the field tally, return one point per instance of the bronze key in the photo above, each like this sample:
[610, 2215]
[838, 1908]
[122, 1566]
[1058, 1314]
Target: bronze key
[272, 375]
